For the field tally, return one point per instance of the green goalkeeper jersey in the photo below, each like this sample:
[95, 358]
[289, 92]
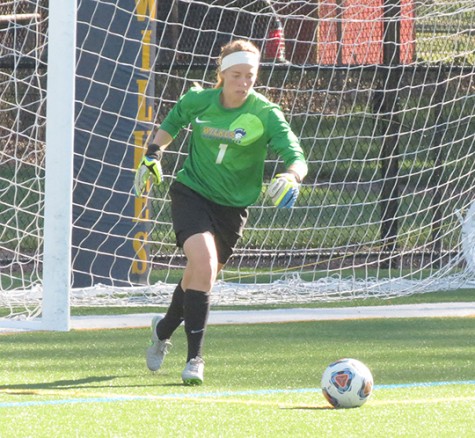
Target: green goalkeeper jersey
[225, 161]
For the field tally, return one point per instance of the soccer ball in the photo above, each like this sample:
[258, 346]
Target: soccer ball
[347, 383]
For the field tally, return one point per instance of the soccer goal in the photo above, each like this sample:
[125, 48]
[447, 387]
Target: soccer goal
[380, 92]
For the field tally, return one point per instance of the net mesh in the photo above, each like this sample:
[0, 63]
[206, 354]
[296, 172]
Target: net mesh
[381, 95]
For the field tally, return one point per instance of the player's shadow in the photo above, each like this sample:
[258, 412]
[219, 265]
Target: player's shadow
[92, 382]
[88, 382]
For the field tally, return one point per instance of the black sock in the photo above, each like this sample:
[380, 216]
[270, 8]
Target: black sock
[174, 315]
[196, 311]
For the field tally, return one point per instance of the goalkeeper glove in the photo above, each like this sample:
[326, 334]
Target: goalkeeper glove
[283, 190]
[148, 167]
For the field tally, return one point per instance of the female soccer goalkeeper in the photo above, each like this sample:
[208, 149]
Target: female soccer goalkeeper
[232, 126]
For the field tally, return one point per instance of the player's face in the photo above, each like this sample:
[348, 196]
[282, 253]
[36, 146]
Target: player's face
[238, 81]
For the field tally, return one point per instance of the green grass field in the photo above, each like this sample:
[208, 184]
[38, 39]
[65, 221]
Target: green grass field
[260, 380]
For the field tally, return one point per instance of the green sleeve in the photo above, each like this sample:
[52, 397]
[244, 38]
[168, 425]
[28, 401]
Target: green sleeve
[182, 113]
[283, 141]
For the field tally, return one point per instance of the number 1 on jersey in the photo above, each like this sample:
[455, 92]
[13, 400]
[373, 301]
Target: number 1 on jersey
[222, 151]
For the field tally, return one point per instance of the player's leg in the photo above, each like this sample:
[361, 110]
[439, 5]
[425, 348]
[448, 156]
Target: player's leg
[174, 316]
[166, 326]
[188, 219]
[163, 328]
[208, 253]
[200, 275]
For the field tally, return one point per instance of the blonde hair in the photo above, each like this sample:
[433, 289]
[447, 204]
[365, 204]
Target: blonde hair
[232, 47]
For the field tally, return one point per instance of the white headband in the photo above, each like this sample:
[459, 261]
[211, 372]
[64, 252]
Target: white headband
[235, 58]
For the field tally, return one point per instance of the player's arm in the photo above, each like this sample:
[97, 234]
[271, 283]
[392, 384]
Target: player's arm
[150, 164]
[299, 170]
[179, 116]
[162, 138]
[284, 188]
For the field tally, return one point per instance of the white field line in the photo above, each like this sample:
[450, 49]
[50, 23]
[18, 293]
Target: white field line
[219, 317]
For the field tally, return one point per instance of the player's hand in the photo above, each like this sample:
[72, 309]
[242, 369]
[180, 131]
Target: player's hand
[148, 167]
[283, 190]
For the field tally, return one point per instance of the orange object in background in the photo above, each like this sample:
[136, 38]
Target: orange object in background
[351, 32]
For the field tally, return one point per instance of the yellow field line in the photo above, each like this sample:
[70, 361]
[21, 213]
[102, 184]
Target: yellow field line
[225, 399]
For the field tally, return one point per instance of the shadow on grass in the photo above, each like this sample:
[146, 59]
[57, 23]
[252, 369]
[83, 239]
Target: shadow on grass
[172, 385]
[86, 383]
[308, 407]
[60, 384]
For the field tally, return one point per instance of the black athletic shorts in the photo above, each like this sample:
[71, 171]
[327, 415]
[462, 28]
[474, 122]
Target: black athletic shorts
[194, 214]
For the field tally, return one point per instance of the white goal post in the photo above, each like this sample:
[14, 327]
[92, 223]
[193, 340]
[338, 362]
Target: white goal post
[380, 93]
[56, 278]
[59, 164]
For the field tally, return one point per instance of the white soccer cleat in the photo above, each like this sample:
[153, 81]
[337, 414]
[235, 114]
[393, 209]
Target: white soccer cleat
[158, 349]
[193, 372]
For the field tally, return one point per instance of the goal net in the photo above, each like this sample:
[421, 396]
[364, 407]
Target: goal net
[381, 94]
